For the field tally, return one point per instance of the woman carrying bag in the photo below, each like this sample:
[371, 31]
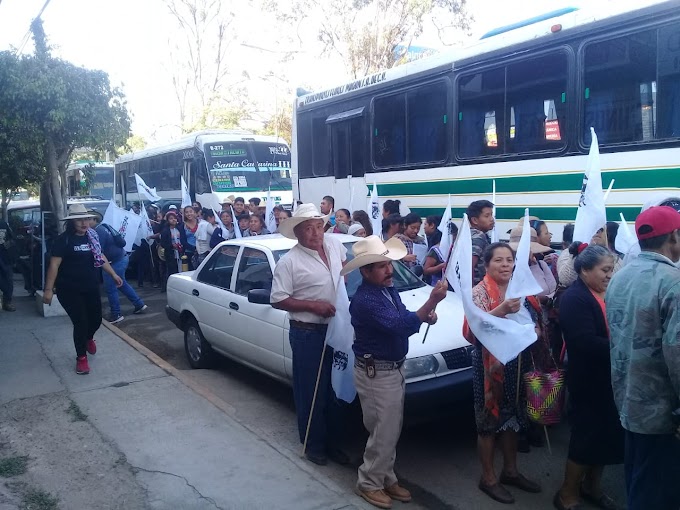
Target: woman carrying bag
[74, 274]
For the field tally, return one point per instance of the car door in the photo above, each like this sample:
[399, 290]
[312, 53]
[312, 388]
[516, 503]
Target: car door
[211, 295]
[257, 328]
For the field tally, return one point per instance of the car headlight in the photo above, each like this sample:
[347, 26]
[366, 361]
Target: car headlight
[418, 367]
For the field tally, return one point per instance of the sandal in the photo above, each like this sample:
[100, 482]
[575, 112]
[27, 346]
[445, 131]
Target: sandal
[557, 503]
[604, 502]
[497, 492]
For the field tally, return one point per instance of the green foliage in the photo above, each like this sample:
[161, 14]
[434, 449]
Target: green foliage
[13, 466]
[133, 144]
[59, 106]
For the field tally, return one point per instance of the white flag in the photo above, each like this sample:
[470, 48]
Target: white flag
[143, 189]
[186, 198]
[503, 338]
[374, 211]
[625, 238]
[269, 218]
[145, 229]
[234, 221]
[494, 231]
[445, 243]
[125, 222]
[591, 215]
[522, 283]
[351, 194]
[340, 336]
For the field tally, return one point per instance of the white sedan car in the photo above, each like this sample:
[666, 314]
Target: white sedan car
[223, 307]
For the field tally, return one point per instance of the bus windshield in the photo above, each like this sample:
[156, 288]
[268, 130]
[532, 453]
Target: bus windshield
[248, 166]
[103, 183]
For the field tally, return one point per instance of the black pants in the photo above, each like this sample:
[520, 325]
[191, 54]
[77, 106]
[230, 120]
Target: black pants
[84, 308]
[6, 280]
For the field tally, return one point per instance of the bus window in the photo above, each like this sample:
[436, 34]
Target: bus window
[320, 146]
[357, 146]
[304, 146]
[481, 96]
[536, 95]
[668, 94]
[347, 143]
[389, 131]
[620, 77]
[427, 119]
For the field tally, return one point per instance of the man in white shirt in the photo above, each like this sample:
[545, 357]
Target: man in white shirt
[205, 229]
[304, 285]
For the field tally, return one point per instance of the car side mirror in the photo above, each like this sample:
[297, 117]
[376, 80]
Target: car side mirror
[259, 296]
[418, 271]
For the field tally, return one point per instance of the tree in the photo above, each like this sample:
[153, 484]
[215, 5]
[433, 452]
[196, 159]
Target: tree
[21, 157]
[200, 59]
[370, 35]
[280, 124]
[68, 107]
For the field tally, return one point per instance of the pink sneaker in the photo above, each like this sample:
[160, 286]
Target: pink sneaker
[82, 367]
[91, 346]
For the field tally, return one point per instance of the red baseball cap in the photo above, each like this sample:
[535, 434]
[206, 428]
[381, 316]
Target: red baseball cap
[657, 221]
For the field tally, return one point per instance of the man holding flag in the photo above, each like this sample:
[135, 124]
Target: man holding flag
[480, 214]
[382, 326]
[305, 284]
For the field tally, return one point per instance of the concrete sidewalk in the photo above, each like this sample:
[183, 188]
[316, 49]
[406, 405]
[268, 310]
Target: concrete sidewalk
[148, 441]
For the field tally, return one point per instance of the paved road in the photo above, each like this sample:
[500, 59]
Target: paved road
[437, 460]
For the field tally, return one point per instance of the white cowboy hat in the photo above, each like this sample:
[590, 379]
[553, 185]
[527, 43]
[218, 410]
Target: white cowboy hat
[536, 247]
[78, 212]
[371, 249]
[304, 212]
[354, 228]
[229, 200]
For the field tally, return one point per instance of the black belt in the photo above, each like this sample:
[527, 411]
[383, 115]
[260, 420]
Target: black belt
[308, 325]
[379, 365]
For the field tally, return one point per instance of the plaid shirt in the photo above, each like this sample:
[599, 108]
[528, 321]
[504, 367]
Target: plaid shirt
[480, 241]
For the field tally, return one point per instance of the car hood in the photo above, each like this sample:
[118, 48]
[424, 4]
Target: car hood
[447, 334]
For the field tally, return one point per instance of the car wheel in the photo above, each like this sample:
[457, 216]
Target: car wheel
[198, 350]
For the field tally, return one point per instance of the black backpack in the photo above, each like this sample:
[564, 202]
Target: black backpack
[118, 239]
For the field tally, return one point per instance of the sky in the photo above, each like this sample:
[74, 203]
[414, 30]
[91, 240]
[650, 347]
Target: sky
[130, 40]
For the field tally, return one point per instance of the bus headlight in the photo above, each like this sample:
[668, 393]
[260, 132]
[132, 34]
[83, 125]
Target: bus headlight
[418, 367]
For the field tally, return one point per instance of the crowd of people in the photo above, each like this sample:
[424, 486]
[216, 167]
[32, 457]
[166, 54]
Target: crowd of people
[620, 348]
[613, 325]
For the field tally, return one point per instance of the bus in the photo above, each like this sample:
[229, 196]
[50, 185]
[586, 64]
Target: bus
[100, 175]
[215, 164]
[514, 108]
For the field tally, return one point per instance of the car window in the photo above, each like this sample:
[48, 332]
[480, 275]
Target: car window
[218, 269]
[254, 272]
[403, 278]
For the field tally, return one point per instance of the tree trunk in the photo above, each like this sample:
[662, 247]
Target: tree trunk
[6, 194]
[57, 198]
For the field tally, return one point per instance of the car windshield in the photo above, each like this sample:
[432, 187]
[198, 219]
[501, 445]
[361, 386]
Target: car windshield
[403, 278]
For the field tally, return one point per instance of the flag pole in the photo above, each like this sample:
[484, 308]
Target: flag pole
[448, 260]
[316, 390]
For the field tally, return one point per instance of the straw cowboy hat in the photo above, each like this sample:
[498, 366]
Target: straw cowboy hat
[229, 200]
[78, 212]
[371, 249]
[536, 247]
[303, 213]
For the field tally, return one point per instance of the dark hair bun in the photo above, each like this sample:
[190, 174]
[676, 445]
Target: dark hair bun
[573, 248]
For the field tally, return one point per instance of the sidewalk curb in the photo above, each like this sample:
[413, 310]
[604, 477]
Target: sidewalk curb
[229, 410]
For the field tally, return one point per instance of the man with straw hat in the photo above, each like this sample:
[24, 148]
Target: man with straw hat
[382, 327]
[304, 285]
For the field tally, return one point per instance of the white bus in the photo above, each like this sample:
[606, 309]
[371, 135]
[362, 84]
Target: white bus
[214, 163]
[515, 107]
[101, 179]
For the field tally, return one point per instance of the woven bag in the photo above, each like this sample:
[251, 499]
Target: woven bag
[545, 396]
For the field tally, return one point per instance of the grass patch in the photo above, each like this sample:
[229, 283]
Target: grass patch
[78, 414]
[35, 499]
[13, 466]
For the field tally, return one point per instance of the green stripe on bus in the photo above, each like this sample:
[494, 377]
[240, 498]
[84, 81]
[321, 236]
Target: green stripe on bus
[559, 214]
[635, 179]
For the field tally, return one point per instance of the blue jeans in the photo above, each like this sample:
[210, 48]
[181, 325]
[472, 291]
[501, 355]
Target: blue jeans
[112, 291]
[307, 346]
[652, 469]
